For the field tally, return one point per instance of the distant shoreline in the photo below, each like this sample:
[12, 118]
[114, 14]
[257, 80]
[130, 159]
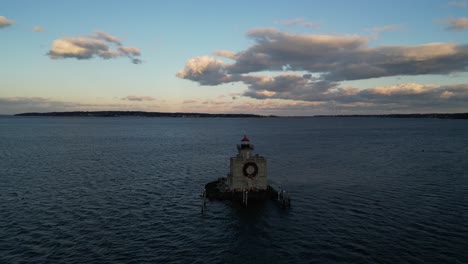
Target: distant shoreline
[434, 115]
[206, 115]
[138, 114]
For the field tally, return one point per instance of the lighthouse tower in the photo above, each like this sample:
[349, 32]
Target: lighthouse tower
[247, 171]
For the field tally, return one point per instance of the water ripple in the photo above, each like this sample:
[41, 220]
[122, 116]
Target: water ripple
[126, 191]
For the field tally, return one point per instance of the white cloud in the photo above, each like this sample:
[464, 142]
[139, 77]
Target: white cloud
[205, 70]
[100, 44]
[5, 22]
[80, 48]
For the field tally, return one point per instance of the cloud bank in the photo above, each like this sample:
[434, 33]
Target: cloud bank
[138, 98]
[99, 44]
[5, 22]
[328, 60]
[16, 105]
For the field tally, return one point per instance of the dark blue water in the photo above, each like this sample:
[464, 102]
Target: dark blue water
[125, 190]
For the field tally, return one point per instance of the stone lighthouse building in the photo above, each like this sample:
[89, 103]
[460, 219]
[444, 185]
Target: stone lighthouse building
[247, 171]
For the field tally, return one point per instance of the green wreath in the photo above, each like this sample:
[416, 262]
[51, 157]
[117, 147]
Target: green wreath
[250, 169]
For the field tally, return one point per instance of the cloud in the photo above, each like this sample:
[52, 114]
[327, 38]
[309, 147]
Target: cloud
[274, 50]
[107, 37]
[458, 4]
[225, 53]
[5, 22]
[130, 51]
[311, 68]
[295, 87]
[38, 29]
[418, 96]
[332, 58]
[275, 106]
[99, 44]
[376, 31]
[340, 58]
[204, 70]
[138, 98]
[401, 89]
[216, 102]
[15, 105]
[400, 98]
[457, 24]
[189, 101]
[299, 22]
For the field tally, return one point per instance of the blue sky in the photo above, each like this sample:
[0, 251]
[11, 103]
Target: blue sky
[262, 57]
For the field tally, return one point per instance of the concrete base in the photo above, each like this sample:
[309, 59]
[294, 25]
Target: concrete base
[216, 190]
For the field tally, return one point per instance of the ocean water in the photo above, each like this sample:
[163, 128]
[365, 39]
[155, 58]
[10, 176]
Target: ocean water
[126, 190]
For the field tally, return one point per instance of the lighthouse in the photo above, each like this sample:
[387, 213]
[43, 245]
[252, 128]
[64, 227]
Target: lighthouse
[247, 171]
[245, 181]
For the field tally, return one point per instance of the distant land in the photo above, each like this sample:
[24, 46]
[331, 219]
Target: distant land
[201, 115]
[136, 114]
[441, 116]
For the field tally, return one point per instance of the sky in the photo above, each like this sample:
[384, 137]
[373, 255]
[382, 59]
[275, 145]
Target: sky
[286, 58]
